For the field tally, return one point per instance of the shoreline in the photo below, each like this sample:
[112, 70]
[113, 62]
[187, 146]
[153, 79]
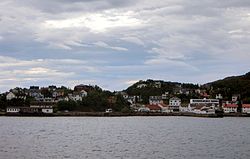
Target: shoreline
[119, 114]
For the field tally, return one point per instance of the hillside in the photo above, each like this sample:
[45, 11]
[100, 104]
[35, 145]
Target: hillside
[226, 87]
[232, 85]
[158, 87]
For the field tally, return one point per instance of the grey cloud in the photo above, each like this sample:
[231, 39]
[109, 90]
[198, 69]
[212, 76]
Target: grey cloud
[160, 38]
[62, 6]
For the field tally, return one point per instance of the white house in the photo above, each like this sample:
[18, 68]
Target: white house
[83, 93]
[175, 101]
[218, 96]
[141, 85]
[157, 84]
[10, 96]
[12, 110]
[174, 104]
[230, 108]
[47, 110]
[204, 102]
[246, 108]
[198, 104]
[75, 97]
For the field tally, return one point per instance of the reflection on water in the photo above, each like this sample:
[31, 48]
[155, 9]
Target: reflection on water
[124, 137]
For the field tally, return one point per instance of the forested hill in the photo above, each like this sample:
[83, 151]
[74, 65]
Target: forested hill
[232, 85]
[158, 87]
[226, 87]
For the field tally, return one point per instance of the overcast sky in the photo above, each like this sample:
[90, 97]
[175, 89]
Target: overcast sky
[114, 43]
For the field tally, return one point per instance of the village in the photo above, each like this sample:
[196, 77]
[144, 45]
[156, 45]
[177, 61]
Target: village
[44, 101]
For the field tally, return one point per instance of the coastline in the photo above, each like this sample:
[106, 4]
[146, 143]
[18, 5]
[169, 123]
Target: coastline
[119, 114]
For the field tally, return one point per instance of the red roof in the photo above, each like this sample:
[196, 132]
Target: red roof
[245, 105]
[230, 105]
[163, 105]
[153, 107]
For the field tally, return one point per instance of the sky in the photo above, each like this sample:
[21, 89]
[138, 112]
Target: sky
[115, 43]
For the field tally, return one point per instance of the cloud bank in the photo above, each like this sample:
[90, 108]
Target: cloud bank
[113, 42]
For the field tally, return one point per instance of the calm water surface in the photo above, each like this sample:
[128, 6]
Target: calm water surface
[124, 137]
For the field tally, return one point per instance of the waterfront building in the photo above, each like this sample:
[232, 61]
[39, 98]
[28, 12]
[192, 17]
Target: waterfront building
[12, 109]
[230, 108]
[174, 104]
[197, 104]
[44, 107]
[246, 108]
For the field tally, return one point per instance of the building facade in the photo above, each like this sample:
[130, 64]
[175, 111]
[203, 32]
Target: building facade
[174, 104]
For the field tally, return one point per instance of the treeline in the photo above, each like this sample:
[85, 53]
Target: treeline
[18, 102]
[97, 100]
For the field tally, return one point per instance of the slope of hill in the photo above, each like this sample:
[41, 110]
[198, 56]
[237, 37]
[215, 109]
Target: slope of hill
[232, 85]
[226, 87]
[158, 87]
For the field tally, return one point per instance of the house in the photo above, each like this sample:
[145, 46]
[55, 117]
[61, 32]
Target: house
[141, 85]
[174, 104]
[218, 96]
[12, 110]
[81, 87]
[153, 108]
[229, 108]
[75, 97]
[246, 108]
[10, 96]
[204, 110]
[58, 93]
[43, 107]
[197, 104]
[165, 95]
[207, 102]
[235, 97]
[157, 84]
[46, 109]
[29, 110]
[154, 100]
[37, 95]
[83, 93]
[133, 99]
[52, 88]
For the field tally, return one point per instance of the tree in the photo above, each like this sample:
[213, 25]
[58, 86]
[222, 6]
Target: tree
[67, 105]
